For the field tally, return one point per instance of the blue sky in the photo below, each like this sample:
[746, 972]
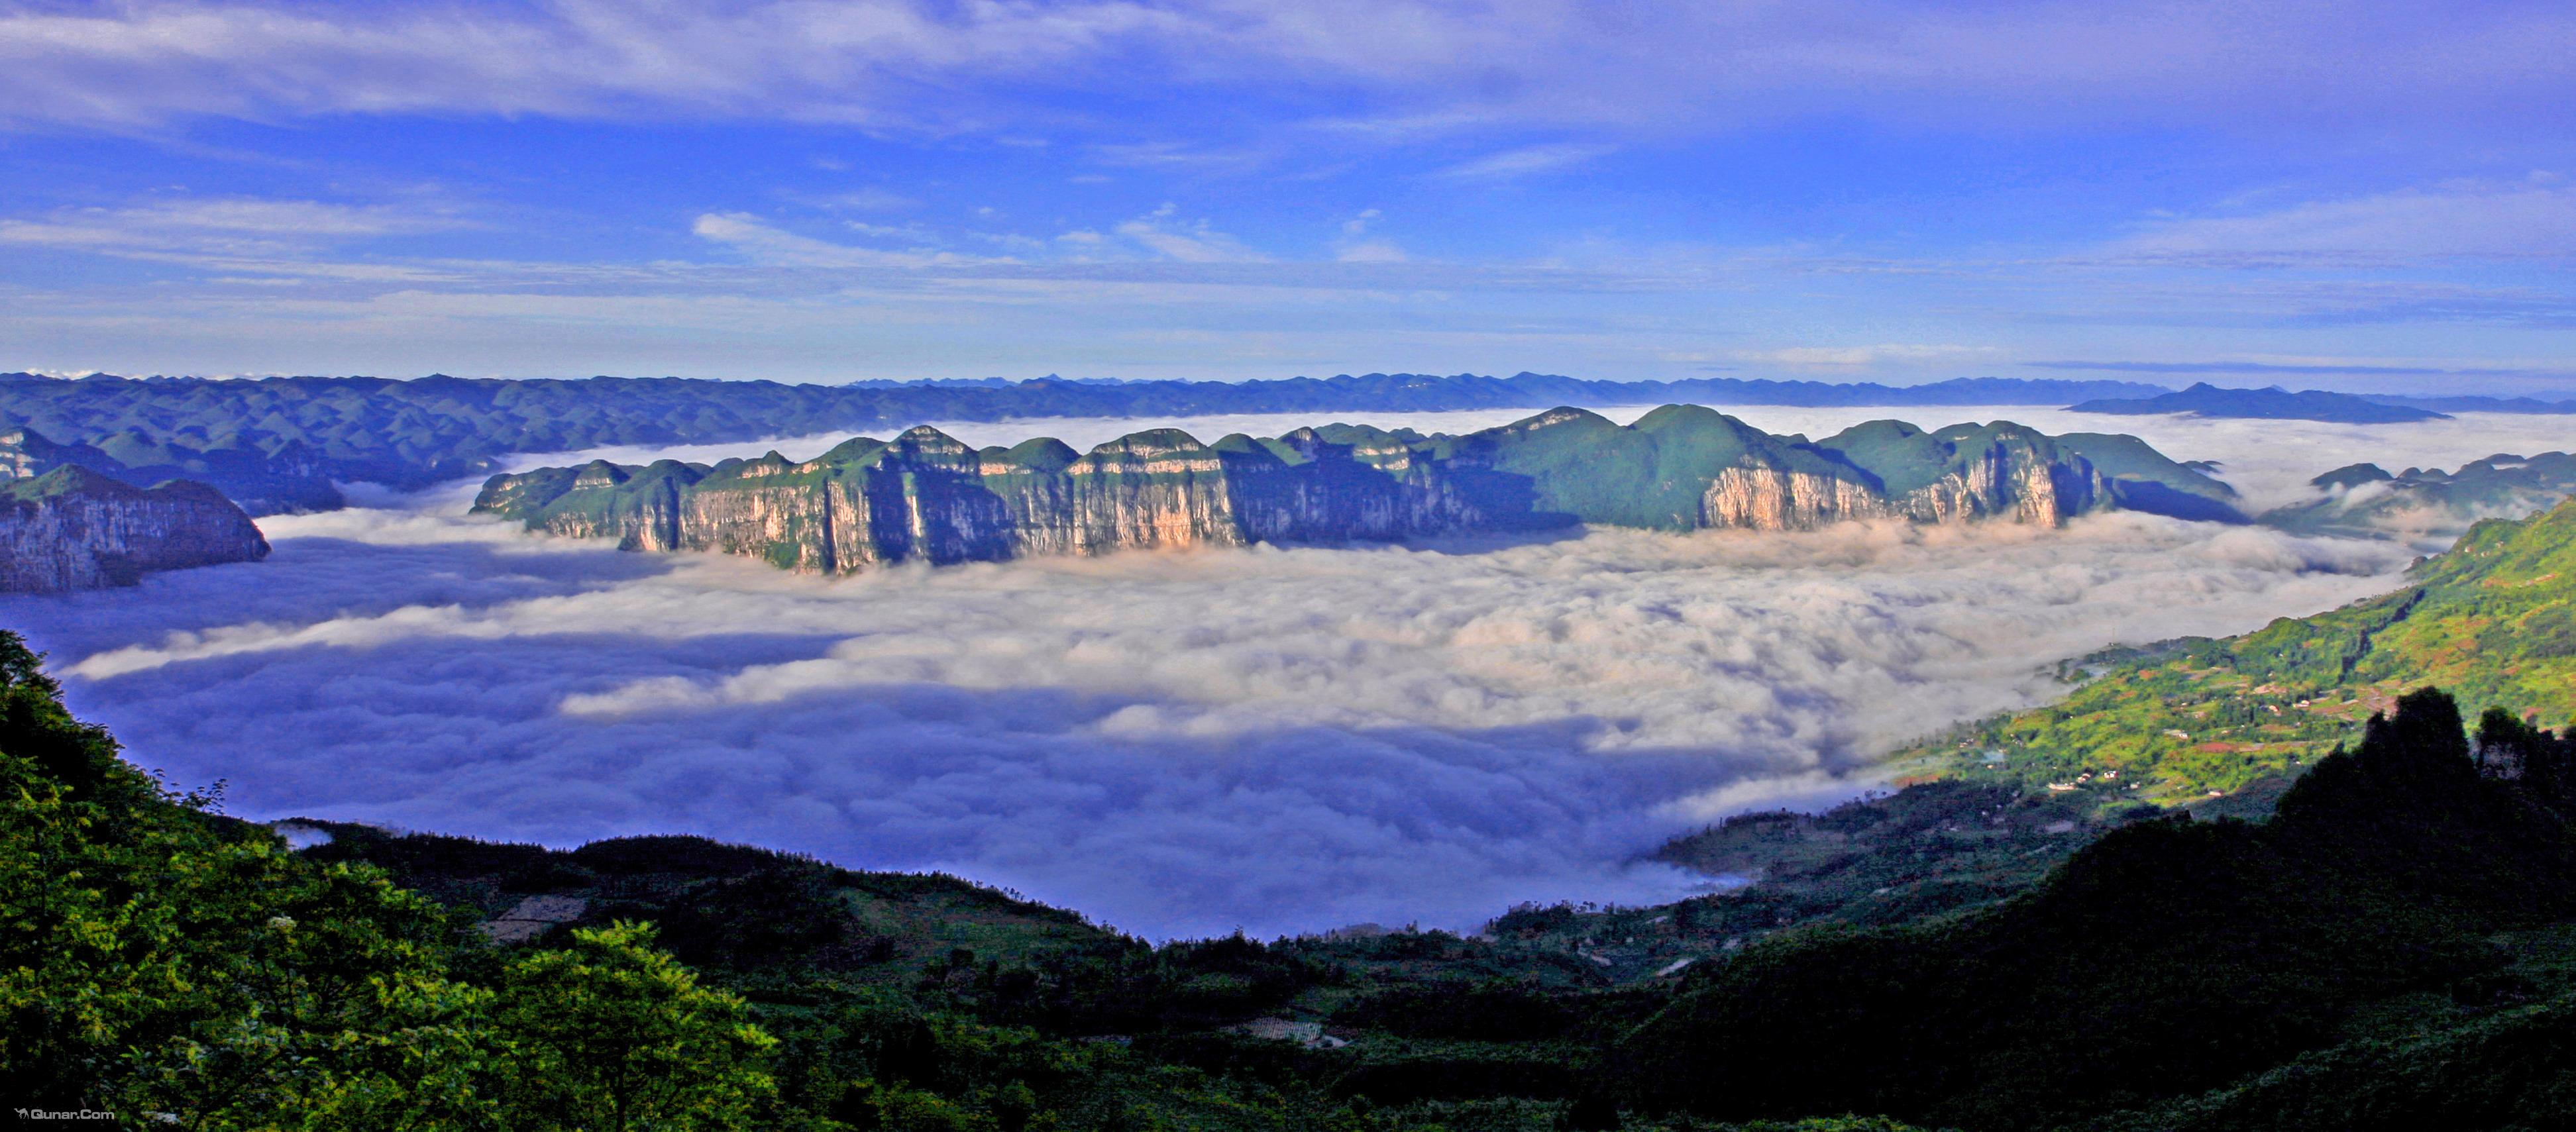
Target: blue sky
[2347, 195]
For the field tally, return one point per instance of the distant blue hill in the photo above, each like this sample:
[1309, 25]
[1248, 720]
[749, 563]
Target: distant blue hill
[2275, 403]
[280, 443]
[2471, 404]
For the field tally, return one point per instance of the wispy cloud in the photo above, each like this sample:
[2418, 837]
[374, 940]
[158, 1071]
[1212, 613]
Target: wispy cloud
[2530, 219]
[1523, 161]
[758, 240]
[866, 200]
[231, 225]
[1638, 68]
[1165, 234]
[1358, 245]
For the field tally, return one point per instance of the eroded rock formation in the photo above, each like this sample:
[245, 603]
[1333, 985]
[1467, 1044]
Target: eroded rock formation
[73, 528]
[929, 497]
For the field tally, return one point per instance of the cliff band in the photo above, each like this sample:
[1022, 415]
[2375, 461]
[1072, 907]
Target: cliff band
[929, 497]
[73, 528]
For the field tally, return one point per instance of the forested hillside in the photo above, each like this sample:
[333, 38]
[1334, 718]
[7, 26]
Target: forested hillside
[2409, 908]
[2493, 620]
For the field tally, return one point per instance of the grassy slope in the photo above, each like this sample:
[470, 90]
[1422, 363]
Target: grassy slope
[2493, 620]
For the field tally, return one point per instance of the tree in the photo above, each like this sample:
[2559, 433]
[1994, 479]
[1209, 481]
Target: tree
[612, 1033]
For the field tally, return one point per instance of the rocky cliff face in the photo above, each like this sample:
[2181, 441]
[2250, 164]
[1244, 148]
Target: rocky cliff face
[1773, 499]
[2017, 487]
[2012, 482]
[73, 529]
[925, 496]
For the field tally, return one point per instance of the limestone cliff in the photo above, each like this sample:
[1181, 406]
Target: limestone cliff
[925, 496]
[73, 528]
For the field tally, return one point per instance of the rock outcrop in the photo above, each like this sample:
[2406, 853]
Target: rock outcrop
[925, 496]
[73, 528]
[290, 479]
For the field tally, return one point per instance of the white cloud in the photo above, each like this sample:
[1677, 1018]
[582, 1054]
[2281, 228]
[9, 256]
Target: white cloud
[197, 226]
[1642, 67]
[756, 239]
[1523, 161]
[1357, 246]
[1275, 738]
[868, 200]
[1190, 241]
[2533, 218]
[889, 231]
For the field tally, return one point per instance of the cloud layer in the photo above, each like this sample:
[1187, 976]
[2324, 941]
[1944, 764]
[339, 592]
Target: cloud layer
[1278, 739]
[1415, 66]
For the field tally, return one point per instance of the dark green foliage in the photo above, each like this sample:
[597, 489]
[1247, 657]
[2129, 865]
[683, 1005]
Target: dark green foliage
[2134, 464]
[160, 959]
[1482, 1011]
[2352, 475]
[2168, 956]
[2514, 1070]
[1930, 848]
[77, 758]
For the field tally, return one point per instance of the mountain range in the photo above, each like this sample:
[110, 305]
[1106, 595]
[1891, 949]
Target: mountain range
[2275, 403]
[926, 496]
[2366, 499]
[282, 443]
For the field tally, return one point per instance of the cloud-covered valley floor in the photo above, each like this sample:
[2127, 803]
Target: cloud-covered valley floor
[1179, 744]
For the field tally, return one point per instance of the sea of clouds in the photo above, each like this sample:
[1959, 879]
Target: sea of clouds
[1278, 739]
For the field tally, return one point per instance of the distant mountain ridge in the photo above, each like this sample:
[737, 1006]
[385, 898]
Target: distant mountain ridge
[925, 496]
[282, 443]
[2530, 406]
[2366, 499]
[2275, 403]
